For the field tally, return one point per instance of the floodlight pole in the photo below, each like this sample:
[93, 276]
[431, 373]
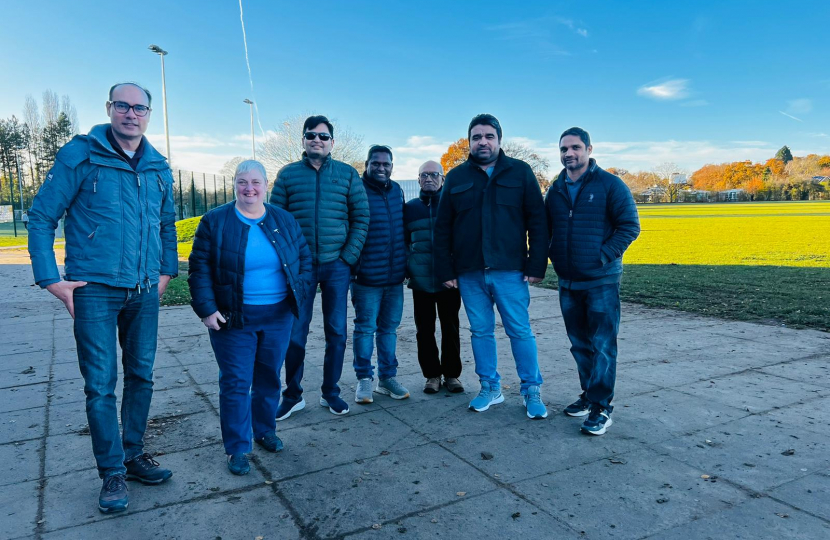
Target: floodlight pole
[253, 143]
[162, 53]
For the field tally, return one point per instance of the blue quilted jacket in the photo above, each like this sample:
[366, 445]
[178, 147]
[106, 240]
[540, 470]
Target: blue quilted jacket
[589, 236]
[383, 259]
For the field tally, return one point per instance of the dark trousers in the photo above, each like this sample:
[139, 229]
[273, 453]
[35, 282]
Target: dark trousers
[592, 320]
[249, 361]
[448, 303]
[334, 278]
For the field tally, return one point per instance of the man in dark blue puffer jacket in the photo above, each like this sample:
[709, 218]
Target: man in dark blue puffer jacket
[592, 219]
[377, 290]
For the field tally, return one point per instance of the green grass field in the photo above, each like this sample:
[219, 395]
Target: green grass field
[765, 262]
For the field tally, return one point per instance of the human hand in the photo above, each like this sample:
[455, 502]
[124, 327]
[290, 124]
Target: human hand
[212, 321]
[164, 281]
[532, 280]
[451, 284]
[65, 291]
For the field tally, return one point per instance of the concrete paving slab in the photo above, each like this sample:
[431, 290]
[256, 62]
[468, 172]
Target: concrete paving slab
[358, 495]
[810, 494]
[815, 371]
[22, 425]
[18, 398]
[758, 519]
[21, 463]
[217, 517]
[510, 517]
[756, 451]
[19, 504]
[197, 474]
[666, 493]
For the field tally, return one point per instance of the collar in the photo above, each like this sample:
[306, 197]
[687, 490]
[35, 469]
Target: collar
[429, 198]
[374, 184]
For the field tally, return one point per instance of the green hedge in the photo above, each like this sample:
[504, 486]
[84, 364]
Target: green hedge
[186, 229]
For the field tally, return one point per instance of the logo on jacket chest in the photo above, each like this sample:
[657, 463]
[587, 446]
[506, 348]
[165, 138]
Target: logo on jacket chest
[591, 197]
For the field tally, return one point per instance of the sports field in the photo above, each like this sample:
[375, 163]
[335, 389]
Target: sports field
[766, 262]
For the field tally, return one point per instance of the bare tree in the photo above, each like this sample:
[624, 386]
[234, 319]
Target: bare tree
[229, 168]
[538, 164]
[283, 145]
[667, 174]
[51, 107]
[31, 118]
[71, 113]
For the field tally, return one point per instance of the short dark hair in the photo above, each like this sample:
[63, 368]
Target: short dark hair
[379, 149]
[578, 132]
[485, 120]
[313, 121]
[116, 85]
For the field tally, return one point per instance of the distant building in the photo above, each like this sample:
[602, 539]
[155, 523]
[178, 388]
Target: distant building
[411, 188]
[732, 195]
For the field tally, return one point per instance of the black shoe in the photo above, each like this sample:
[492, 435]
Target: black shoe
[270, 442]
[580, 407]
[146, 470]
[113, 497]
[598, 421]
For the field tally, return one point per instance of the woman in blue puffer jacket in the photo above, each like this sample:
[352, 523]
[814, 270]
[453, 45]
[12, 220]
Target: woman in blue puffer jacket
[247, 275]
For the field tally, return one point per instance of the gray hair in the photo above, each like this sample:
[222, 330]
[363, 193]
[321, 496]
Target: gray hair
[251, 165]
[116, 85]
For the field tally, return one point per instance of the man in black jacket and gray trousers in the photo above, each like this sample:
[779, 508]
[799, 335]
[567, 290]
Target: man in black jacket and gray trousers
[490, 240]
[592, 219]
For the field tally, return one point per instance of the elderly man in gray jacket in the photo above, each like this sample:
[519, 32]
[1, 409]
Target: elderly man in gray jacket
[328, 199]
[117, 193]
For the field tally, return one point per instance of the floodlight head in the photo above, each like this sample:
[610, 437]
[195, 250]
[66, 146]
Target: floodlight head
[158, 50]
[248, 101]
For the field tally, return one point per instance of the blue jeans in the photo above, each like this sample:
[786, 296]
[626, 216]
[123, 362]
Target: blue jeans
[101, 312]
[333, 278]
[592, 320]
[510, 292]
[249, 361]
[377, 312]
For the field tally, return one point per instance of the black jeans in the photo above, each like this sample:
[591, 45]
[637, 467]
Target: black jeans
[449, 304]
[592, 320]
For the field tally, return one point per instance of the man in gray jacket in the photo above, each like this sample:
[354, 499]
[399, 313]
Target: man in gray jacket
[117, 193]
[327, 198]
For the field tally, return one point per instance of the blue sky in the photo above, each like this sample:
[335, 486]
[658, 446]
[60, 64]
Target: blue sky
[692, 83]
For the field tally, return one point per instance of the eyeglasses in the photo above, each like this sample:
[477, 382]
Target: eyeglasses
[311, 135]
[433, 175]
[252, 183]
[123, 107]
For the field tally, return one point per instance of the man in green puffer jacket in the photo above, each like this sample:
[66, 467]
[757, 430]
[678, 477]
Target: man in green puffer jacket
[329, 201]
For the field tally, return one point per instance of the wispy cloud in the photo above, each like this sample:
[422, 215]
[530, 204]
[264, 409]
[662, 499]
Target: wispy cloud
[799, 106]
[538, 33]
[667, 90]
[791, 116]
[202, 153]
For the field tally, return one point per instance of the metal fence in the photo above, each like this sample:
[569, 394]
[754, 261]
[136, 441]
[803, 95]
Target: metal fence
[196, 193]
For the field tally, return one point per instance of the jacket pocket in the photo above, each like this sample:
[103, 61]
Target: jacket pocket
[509, 191]
[224, 297]
[463, 197]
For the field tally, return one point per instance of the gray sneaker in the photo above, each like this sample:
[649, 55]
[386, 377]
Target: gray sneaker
[363, 393]
[391, 387]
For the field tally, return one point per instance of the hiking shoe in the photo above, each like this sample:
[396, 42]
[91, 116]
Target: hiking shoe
[146, 470]
[238, 464]
[113, 497]
[533, 402]
[335, 404]
[270, 442]
[392, 388]
[432, 385]
[490, 394]
[598, 421]
[453, 385]
[363, 393]
[287, 407]
[580, 407]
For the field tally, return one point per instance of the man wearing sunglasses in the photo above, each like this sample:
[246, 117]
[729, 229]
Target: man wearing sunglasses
[327, 198]
[117, 193]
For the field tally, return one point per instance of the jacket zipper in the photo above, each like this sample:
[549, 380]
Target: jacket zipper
[317, 218]
[572, 207]
[140, 231]
[391, 244]
[433, 285]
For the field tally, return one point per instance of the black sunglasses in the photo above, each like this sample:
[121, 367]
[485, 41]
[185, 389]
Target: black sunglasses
[311, 135]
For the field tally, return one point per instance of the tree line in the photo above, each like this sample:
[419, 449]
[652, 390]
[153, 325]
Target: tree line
[28, 145]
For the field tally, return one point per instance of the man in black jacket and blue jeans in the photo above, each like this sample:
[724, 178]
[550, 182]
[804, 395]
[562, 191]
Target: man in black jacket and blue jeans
[490, 239]
[592, 219]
